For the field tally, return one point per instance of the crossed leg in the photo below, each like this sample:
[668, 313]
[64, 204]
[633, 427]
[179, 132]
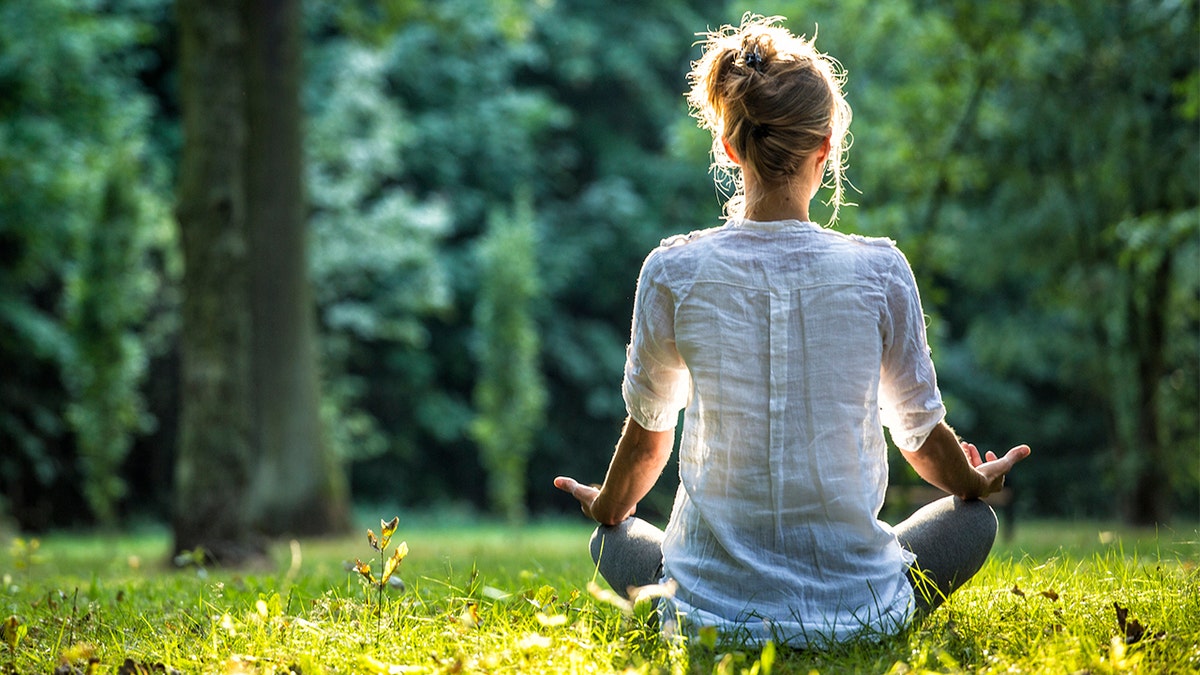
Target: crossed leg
[628, 554]
[951, 538]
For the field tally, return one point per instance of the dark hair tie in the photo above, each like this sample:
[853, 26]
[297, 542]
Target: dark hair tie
[754, 59]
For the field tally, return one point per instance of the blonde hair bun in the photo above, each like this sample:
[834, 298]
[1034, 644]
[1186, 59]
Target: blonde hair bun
[775, 99]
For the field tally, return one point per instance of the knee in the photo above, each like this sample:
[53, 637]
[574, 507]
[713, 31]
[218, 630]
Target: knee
[596, 543]
[600, 536]
[980, 517]
[618, 536]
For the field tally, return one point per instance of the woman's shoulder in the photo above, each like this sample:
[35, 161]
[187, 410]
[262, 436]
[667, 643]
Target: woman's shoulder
[678, 240]
[877, 242]
[876, 257]
[679, 248]
[883, 249]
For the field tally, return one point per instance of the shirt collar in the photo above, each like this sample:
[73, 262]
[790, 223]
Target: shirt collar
[772, 225]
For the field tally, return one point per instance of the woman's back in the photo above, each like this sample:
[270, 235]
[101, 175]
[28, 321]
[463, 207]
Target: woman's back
[782, 327]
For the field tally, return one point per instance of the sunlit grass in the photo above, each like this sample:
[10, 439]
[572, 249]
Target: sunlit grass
[486, 598]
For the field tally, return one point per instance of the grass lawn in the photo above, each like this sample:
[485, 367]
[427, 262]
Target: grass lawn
[485, 598]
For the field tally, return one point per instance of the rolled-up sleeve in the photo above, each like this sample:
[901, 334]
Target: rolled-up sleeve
[656, 382]
[910, 403]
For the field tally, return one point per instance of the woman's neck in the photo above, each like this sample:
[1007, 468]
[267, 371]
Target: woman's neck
[775, 207]
[787, 201]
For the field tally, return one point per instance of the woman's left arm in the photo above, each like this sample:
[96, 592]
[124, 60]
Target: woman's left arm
[638, 461]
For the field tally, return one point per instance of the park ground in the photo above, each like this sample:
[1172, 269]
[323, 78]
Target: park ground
[1056, 597]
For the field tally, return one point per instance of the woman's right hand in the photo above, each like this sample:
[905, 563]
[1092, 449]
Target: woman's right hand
[993, 468]
[957, 467]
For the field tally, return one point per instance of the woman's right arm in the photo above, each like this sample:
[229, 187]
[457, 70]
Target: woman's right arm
[956, 466]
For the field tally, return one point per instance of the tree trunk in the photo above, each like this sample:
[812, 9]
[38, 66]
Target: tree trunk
[252, 458]
[299, 488]
[1148, 493]
[215, 459]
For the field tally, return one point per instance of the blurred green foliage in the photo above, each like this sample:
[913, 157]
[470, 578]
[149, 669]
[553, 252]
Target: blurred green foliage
[1039, 162]
[509, 394]
[85, 250]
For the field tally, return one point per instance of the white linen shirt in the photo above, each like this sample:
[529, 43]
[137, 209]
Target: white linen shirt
[790, 345]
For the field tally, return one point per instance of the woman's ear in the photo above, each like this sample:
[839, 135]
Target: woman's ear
[733, 155]
[823, 151]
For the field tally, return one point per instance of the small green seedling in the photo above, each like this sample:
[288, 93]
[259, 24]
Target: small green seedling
[12, 630]
[387, 565]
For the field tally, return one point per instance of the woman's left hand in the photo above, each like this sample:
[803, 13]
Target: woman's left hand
[587, 496]
[636, 464]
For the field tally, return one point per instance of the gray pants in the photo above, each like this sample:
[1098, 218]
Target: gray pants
[951, 538]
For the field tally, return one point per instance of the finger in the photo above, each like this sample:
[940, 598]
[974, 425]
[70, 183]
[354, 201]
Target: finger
[1017, 454]
[585, 493]
[972, 454]
[990, 456]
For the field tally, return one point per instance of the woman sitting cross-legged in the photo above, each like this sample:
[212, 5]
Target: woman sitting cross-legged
[789, 347]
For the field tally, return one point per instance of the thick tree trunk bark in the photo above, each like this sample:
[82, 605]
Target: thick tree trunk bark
[252, 456]
[299, 488]
[215, 424]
